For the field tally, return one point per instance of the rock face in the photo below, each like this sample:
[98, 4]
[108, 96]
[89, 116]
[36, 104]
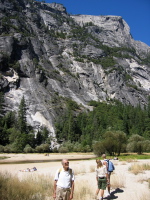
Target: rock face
[46, 55]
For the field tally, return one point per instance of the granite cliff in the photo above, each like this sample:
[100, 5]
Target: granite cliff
[48, 56]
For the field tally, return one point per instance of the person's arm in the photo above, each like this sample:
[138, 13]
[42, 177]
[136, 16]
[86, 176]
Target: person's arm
[72, 190]
[107, 177]
[97, 176]
[54, 193]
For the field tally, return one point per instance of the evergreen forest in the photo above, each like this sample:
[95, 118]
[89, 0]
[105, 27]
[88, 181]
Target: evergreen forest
[110, 127]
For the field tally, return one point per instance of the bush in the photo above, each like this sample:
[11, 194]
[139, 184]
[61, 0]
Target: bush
[55, 150]
[63, 150]
[136, 144]
[98, 148]
[69, 145]
[77, 147]
[39, 149]
[7, 149]
[28, 149]
[43, 148]
[87, 148]
[1, 149]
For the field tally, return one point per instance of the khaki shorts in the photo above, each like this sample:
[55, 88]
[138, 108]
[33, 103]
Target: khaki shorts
[102, 183]
[63, 194]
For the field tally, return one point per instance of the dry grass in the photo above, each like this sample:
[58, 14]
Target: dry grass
[131, 160]
[123, 163]
[117, 181]
[144, 196]
[141, 180]
[36, 188]
[80, 170]
[83, 191]
[137, 168]
[92, 168]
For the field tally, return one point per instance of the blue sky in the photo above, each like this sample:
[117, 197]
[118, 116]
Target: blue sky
[135, 12]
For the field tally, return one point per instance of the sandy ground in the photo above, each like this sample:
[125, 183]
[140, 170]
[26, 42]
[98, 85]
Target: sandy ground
[133, 188]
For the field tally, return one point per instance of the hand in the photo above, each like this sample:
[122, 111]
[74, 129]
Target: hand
[71, 196]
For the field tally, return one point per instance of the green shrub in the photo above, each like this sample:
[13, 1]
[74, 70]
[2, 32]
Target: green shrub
[1, 148]
[28, 149]
[63, 150]
[42, 148]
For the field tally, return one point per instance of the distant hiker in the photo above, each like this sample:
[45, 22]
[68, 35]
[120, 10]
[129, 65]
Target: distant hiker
[102, 178]
[25, 170]
[64, 182]
[110, 167]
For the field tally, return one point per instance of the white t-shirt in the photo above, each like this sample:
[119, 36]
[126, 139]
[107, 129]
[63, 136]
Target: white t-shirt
[64, 178]
[101, 171]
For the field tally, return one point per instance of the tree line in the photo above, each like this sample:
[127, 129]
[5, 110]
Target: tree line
[16, 135]
[111, 128]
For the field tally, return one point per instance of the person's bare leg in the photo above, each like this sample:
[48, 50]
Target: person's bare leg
[96, 194]
[101, 193]
[108, 184]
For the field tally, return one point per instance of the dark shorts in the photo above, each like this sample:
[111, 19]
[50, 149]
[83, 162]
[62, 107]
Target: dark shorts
[102, 183]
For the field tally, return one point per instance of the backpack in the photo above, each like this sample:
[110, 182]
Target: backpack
[110, 166]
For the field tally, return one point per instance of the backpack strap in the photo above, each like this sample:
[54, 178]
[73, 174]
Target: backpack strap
[70, 171]
[59, 171]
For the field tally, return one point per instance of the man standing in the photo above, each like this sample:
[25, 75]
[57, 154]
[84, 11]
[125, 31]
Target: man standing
[64, 182]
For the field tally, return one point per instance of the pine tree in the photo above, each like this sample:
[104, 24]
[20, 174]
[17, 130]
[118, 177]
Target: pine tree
[148, 108]
[1, 104]
[22, 122]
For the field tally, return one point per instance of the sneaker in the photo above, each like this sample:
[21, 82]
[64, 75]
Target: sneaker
[96, 197]
[101, 198]
[108, 195]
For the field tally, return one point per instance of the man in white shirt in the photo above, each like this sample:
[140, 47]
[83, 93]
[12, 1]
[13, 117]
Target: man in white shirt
[64, 182]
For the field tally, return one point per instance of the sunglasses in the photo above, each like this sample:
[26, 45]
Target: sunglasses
[67, 163]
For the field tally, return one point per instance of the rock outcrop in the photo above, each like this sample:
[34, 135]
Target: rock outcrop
[46, 55]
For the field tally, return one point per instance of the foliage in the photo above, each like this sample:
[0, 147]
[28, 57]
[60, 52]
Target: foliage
[28, 149]
[17, 136]
[1, 104]
[108, 124]
[63, 150]
[133, 156]
[98, 148]
[43, 148]
[113, 143]
[22, 122]
[137, 143]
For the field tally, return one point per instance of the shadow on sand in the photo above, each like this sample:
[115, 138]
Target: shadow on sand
[112, 195]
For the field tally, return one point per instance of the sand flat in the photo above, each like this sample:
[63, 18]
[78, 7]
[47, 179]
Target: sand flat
[47, 165]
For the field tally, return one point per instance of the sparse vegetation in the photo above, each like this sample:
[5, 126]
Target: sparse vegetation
[138, 168]
[36, 187]
[117, 181]
[31, 188]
